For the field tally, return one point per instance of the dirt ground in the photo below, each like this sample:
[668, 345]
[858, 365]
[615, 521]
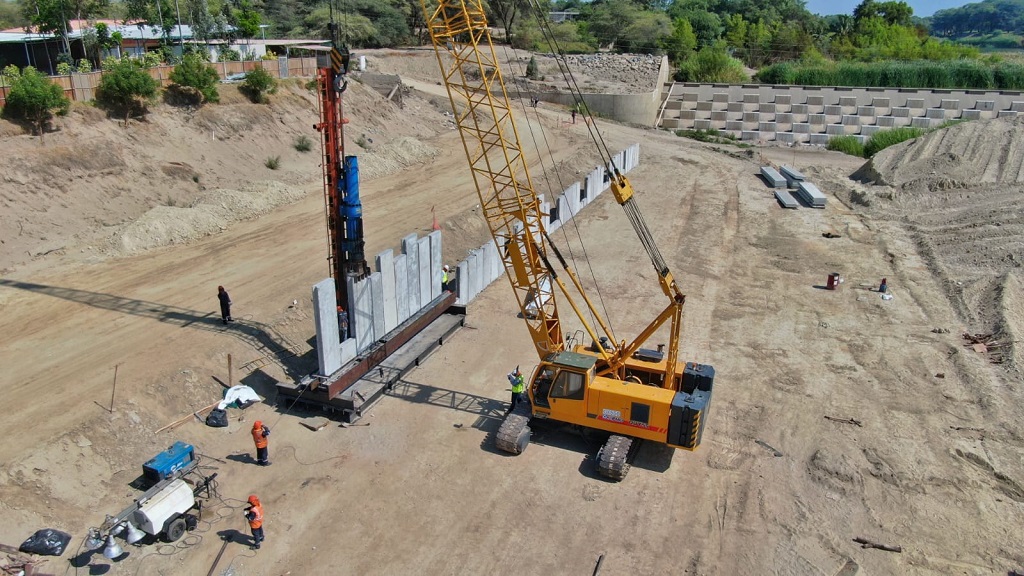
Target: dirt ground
[836, 414]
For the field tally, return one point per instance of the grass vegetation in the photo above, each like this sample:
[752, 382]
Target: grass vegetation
[878, 142]
[273, 162]
[970, 74]
[303, 143]
[847, 145]
[712, 136]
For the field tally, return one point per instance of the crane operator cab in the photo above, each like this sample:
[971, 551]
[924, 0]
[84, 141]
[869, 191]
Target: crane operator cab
[566, 388]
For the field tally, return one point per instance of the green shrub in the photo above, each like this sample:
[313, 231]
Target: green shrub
[847, 145]
[948, 74]
[711, 64]
[273, 162]
[882, 140]
[34, 98]
[303, 143]
[228, 55]
[126, 88]
[84, 66]
[11, 73]
[194, 72]
[63, 69]
[531, 69]
[258, 83]
[151, 59]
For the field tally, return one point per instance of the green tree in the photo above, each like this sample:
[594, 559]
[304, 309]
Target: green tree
[34, 99]
[194, 72]
[258, 83]
[609, 20]
[681, 44]
[647, 32]
[126, 88]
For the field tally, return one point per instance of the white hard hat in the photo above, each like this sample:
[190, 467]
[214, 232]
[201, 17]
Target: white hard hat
[445, 268]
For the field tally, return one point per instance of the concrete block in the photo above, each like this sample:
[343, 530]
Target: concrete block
[751, 99]
[786, 137]
[835, 129]
[1006, 114]
[820, 139]
[848, 101]
[921, 122]
[766, 126]
[735, 107]
[1017, 106]
[704, 106]
[702, 124]
[772, 177]
[865, 110]
[971, 115]
[720, 115]
[410, 247]
[802, 128]
[792, 175]
[475, 285]
[491, 262]
[784, 118]
[423, 262]
[851, 120]
[880, 102]
[900, 112]
[734, 125]
[935, 113]
[401, 272]
[360, 320]
[784, 99]
[915, 103]
[767, 108]
[720, 97]
[869, 130]
[386, 266]
[436, 263]
[815, 100]
[799, 109]
[671, 124]
[750, 135]
[325, 318]
[833, 110]
[751, 117]
[816, 119]
[462, 283]
[885, 121]
[949, 104]
[377, 295]
[688, 115]
[690, 97]
[985, 105]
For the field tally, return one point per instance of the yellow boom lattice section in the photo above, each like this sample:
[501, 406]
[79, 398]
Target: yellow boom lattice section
[480, 103]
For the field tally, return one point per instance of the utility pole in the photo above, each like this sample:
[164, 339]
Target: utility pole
[181, 42]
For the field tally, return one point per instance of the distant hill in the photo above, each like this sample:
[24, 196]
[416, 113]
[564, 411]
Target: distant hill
[990, 18]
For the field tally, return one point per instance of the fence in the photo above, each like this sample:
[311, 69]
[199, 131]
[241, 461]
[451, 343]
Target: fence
[82, 87]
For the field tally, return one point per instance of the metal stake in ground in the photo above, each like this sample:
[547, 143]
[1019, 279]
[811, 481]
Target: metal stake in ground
[230, 380]
[111, 409]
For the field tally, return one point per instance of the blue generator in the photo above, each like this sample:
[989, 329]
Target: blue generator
[180, 456]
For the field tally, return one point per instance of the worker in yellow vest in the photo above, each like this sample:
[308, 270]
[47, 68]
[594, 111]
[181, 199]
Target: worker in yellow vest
[515, 378]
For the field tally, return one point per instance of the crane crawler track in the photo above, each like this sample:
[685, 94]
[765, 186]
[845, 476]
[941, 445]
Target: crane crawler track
[514, 434]
[613, 457]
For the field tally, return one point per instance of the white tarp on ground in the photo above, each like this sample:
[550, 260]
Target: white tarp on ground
[243, 395]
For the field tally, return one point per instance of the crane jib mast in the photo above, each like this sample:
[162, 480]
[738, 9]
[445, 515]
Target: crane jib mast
[610, 385]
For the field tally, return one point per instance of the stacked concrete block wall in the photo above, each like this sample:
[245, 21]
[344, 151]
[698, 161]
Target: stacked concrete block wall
[792, 114]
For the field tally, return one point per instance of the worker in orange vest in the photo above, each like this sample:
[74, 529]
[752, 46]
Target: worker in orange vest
[259, 436]
[254, 514]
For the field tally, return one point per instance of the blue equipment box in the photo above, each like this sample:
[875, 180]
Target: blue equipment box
[165, 464]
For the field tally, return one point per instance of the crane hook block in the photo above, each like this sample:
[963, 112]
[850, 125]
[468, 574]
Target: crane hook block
[340, 83]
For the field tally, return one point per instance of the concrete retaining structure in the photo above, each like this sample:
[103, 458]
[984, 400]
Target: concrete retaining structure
[789, 114]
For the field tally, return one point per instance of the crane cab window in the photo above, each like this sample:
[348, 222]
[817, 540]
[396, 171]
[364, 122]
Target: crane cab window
[568, 385]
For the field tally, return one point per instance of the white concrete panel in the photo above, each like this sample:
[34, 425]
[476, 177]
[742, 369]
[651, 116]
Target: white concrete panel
[494, 264]
[435, 263]
[545, 219]
[361, 315]
[386, 266]
[423, 249]
[325, 316]
[462, 290]
[473, 265]
[348, 351]
[401, 272]
[410, 247]
[377, 305]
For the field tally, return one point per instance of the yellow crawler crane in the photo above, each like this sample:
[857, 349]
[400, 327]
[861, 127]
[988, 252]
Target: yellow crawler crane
[610, 385]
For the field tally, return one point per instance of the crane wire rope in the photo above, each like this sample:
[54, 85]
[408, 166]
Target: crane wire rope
[514, 63]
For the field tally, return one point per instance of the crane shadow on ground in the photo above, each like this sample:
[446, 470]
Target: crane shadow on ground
[490, 414]
[265, 340]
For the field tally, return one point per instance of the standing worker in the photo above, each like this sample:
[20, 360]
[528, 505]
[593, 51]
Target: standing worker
[254, 514]
[259, 436]
[342, 323]
[883, 286]
[573, 115]
[445, 278]
[225, 304]
[515, 378]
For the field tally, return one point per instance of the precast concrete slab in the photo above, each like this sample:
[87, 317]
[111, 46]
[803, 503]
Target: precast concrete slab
[325, 318]
[436, 263]
[377, 296]
[410, 247]
[360, 321]
[386, 266]
[401, 272]
[423, 263]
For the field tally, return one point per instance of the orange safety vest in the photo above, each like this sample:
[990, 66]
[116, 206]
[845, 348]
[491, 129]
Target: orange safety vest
[255, 516]
[257, 435]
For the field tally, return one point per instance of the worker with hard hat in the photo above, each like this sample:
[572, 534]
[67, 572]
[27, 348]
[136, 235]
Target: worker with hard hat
[254, 514]
[445, 277]
[515, 378]
[259, 436]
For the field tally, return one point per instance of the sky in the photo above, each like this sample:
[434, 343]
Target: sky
[922, 8]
